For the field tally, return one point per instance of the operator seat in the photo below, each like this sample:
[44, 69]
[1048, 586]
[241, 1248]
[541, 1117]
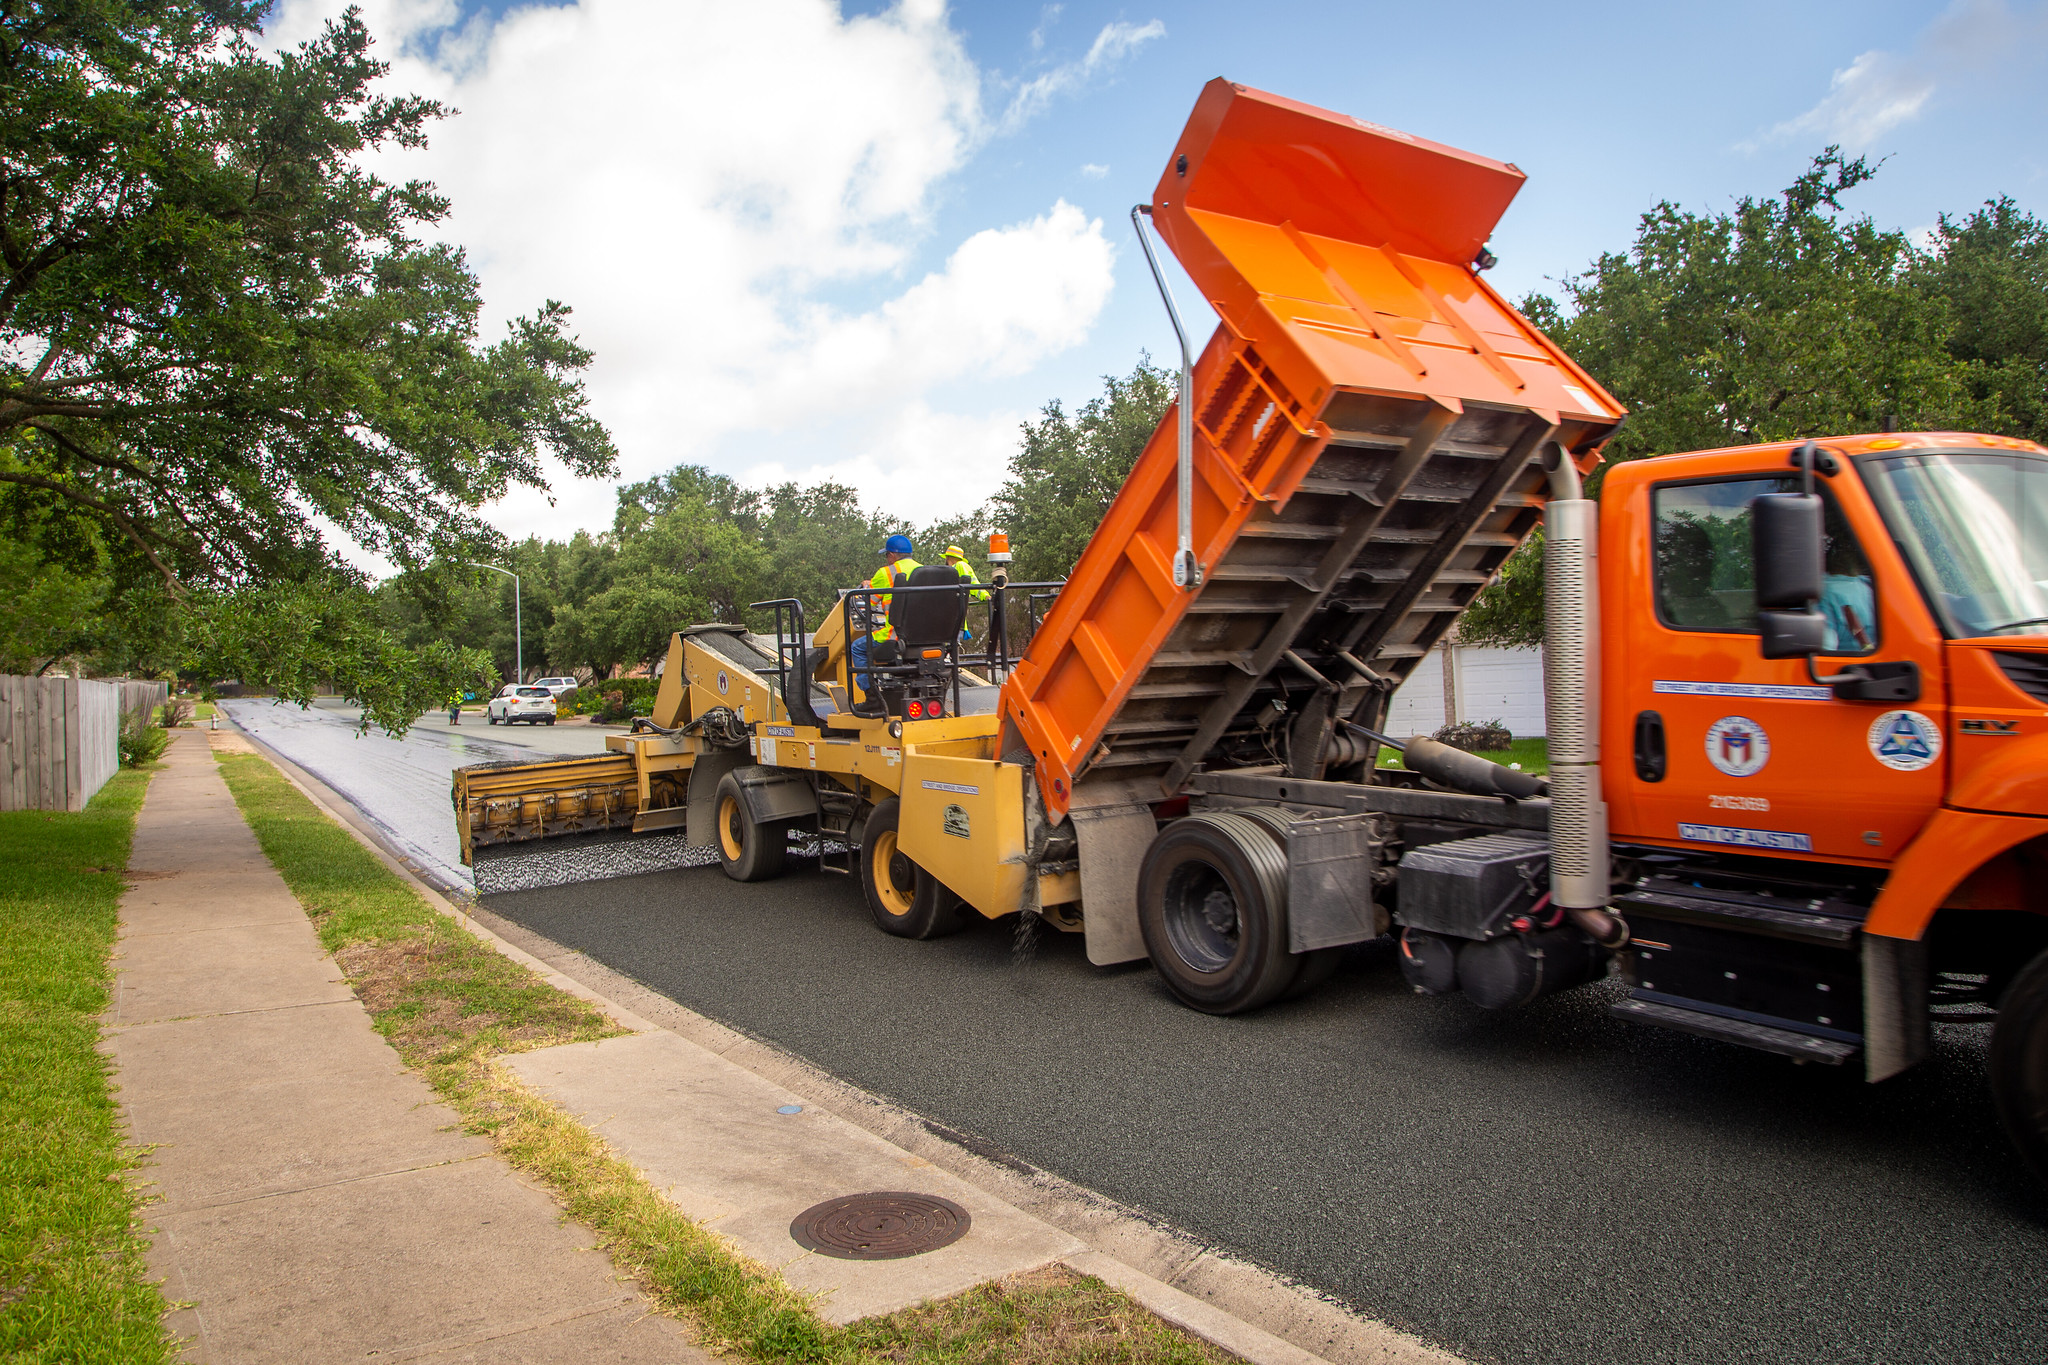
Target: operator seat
[928, 620]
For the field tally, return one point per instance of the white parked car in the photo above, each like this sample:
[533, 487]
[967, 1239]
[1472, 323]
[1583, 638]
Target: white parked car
[516, 702]
[558, 688]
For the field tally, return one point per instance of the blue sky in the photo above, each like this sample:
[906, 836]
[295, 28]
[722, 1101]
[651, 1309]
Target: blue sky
[931, 237]
[1608, 108]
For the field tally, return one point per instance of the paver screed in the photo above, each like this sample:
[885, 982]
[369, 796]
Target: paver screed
[317, 1202]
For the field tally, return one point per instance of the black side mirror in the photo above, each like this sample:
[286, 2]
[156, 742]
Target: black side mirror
[1785, 547]
[1791, 634]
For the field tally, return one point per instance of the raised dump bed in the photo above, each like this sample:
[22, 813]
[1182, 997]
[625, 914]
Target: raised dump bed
[1371, 420]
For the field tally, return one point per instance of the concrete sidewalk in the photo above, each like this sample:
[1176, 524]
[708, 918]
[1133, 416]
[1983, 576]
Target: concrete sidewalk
[318, 1203]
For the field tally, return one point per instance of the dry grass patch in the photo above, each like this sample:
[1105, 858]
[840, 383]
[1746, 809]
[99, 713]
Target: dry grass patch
[1053, 1316]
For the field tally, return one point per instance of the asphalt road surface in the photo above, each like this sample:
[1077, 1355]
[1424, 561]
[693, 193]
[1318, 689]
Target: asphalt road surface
[1548, 1185]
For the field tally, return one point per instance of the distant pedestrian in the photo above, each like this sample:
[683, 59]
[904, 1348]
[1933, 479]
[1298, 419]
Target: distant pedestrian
[455, 712]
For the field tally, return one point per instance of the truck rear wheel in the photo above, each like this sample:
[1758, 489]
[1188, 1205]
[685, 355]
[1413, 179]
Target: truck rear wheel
[749, 852]
[2019, 1063]
[904, 899]
[1212, 896]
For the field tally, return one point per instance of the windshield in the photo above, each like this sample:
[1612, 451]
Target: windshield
[533, 692]
[1975, 527]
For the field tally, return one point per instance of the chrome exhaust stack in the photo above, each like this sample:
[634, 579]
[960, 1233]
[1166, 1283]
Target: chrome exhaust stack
[1579, 857]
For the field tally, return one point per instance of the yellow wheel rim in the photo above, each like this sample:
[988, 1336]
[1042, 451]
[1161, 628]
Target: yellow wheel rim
[894, 899]
[729, 829]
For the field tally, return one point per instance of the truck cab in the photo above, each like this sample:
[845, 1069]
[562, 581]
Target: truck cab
[1821, 845]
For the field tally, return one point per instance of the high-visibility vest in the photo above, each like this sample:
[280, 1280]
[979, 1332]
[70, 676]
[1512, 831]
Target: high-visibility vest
[888, 576]
[968, 575]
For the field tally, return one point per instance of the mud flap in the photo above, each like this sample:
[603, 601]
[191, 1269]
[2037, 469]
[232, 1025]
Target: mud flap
[1329, 883]
[776, 794]
[1895, 1032]
[701, 825]
[1112, 842]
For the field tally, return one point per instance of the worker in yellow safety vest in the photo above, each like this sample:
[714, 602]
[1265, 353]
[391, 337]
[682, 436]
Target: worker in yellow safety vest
[957, 557]
[897, 550]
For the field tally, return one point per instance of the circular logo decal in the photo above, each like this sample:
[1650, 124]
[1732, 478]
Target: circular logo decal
[723, 682]
[1904, 741]
[1738, 746]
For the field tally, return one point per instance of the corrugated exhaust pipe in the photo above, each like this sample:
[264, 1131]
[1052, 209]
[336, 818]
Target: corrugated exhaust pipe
[1579, 858]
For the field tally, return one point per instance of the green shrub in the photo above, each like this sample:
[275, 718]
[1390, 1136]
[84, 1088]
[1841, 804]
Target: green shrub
[142, 740]
[1476, 736]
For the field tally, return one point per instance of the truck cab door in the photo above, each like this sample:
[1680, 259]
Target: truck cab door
[1720, 748]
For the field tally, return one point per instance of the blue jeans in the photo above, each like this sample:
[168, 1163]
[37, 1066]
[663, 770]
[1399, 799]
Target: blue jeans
[859, 655]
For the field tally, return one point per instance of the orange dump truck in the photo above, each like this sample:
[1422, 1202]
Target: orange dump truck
[1797, 694]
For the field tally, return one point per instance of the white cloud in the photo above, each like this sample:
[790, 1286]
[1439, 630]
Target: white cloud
[1880, 90]
[1095, 170]
[919, 464]
[1116, 42]
[1047, 17]
[734, 199]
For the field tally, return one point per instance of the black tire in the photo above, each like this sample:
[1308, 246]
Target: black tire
[1212, 904]
[2019, 1063]
[748, 852]
[904, 899]
[550, 721]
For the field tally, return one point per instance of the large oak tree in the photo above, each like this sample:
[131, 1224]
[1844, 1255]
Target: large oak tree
[219, 330]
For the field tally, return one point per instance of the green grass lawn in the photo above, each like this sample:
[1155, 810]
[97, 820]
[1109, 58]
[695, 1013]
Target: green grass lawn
[73, 1282]
[1532, 754]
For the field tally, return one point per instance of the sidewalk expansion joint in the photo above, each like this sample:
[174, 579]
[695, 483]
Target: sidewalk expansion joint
[350, 998]
[169, 1211]
[126, 934]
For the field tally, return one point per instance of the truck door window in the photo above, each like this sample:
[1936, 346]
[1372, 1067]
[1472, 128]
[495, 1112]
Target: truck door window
[1704, 577]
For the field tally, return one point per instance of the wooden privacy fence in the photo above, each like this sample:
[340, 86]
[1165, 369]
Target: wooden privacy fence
[60, 738]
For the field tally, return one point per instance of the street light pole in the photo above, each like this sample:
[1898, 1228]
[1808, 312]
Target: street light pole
[518, 623]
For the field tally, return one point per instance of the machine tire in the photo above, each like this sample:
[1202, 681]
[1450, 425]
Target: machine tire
[904, 899]
[1212, 906]
[2019, 1063]
[747, 851]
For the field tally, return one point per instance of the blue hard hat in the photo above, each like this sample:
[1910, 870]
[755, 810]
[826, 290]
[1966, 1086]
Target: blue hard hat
[897, 545]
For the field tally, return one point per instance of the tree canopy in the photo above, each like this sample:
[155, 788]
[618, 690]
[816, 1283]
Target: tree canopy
[219, 332]
[1790, 317]
[1069, 468]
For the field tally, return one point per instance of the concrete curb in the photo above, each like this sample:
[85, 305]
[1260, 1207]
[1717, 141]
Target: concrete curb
[1241, 1308]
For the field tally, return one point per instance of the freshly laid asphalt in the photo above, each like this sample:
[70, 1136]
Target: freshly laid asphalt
[1547, 1185]
[1552, 1185]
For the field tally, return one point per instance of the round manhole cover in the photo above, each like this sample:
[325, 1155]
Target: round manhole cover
[880, 1227]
